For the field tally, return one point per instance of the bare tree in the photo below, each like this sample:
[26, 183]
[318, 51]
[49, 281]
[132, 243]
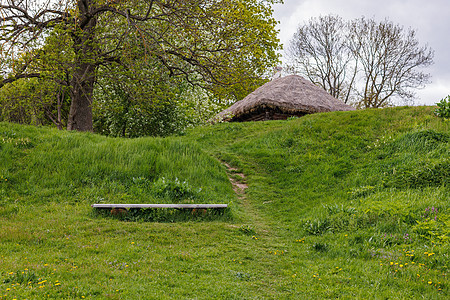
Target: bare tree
[389, 57]
[360, 61]
[319, 51]
[195, 39]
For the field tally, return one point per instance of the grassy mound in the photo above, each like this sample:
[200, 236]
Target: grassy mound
[336, 203]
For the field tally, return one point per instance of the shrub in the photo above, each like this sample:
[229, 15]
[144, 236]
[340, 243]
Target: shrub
[443, 109]
[175, 189]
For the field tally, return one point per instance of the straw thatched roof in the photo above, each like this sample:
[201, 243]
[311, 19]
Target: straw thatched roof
[281, 98]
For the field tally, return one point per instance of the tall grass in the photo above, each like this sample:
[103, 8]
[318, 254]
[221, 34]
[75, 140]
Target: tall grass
[66, 166]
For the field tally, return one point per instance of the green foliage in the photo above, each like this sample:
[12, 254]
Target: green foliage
[26, 277]
[247, 230]
[175, 190]
[316, 226]
[153, 104]
[434, 225]
[144, 67]
[165, 215]
[34, 101]
[443, 109]
[21, 143]
[44, 100]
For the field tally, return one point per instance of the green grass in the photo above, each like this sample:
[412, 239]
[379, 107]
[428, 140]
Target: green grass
[339, 205]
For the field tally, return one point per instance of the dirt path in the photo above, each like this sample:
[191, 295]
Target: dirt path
[252, 215]
[237, 181]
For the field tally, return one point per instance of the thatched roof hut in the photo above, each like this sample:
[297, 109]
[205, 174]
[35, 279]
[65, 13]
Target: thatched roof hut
[282, 98]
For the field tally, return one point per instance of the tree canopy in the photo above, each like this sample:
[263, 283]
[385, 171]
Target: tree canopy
[225, 46]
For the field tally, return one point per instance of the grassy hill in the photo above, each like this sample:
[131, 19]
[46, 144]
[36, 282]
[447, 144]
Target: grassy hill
[338, 205]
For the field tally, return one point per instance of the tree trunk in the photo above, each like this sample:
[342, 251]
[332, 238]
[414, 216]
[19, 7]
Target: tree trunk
[82, 88]
[84, 71]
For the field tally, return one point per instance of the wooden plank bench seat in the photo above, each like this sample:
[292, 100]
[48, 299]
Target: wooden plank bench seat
[178, 206]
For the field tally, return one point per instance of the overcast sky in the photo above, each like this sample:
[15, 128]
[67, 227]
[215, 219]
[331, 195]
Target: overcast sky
[430, 19]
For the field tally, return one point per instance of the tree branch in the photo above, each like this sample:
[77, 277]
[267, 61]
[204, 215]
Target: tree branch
[19, 76]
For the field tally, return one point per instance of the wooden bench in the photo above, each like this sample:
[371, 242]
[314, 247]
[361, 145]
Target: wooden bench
[179, 206]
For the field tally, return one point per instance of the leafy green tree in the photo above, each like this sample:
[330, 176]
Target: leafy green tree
[222, 45]
[152, 103]
[39, 98]
[34, 101]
